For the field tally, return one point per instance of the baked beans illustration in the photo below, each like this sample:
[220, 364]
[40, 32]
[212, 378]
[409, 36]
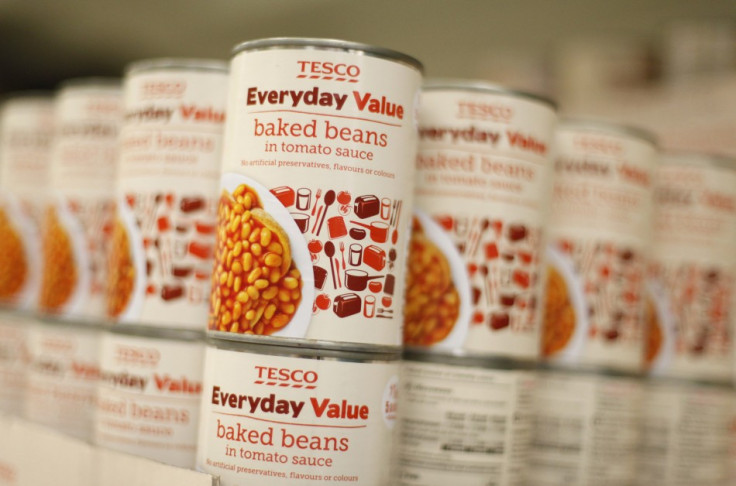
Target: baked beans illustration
[59, 277]
[256, 287]
[432, 300]
[653, 336]
[559, 315]
[120, 272]
[12, 259]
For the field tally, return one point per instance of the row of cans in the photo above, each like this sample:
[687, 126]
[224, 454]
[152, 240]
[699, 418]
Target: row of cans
[288, 416]
[523, 236]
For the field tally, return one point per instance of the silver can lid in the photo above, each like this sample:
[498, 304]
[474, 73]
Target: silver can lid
[177, 64]
[479, 86]
[602, 125]
[328, 44]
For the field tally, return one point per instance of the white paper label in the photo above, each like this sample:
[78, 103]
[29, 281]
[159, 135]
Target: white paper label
[274, 420]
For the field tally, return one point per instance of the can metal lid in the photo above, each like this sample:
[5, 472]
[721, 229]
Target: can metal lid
[300, 348]
[602, 125]
[463, 358]
[91, 83]
[28, 98]
[698, 159]
[157, 332]
[177, 64]
[480, 86]
[328, 44]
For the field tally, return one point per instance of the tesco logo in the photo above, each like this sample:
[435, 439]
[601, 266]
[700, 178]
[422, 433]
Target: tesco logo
[328, 71]
[285, 377]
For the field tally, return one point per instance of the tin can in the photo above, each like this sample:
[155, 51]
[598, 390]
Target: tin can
[319, 145]
[690, 305]
[149, 394]
[600, 236]
[170, 144]
[586, 430]
[79, 213]
[14, 360]
[62, 377]
[279, 415]
[26, 131]
[463, 420]
[483, 187]
[685, 434]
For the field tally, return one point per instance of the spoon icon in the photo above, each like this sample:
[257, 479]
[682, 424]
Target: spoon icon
[330, 252]
[329, 199]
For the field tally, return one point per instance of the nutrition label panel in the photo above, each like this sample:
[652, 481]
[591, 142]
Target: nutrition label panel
[461, 424]
[586, 430]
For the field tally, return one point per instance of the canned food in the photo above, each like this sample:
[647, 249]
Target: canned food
[685, 434]
[276, 415]
[14, 360]
[316, 192]
[62, 377]
[26, 131]
[162, 241]
[79, 214]
[483, 186]
[586, 430]
[600, 234]
[149, 394]
[463, 420]
[690, 304]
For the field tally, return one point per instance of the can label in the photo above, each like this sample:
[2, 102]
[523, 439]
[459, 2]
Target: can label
[162, 242]
[483, 185]
[600, 232]
[149, 397]
[694, 271]
[26, 128]
[79, 216]
[462, 424]
[14, 360]
[685, 435]
[278, 420]
[62, 378]
[586, 430]
[316, 193]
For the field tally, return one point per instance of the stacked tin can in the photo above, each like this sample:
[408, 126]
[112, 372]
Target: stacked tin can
[475, 279]
[26, 131]
[690, 305]
[160, 258]
[589, 401]
[301, 368]
[76, 216]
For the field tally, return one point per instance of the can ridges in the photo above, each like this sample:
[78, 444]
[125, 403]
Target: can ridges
[175, 63]
[327, 44]
[482, 86]
[606, 126]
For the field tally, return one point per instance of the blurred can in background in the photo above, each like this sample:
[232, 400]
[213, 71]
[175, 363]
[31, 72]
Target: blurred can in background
[26, 132]
[160, 259]
[79, 213]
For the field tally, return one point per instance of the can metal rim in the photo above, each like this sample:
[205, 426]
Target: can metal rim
[698, 159]
[307, 349]
[607, 126]
[156, 332]
[590, 370]
[480, 86]
[463, 358]
[328, 44]
[91, 83]
[173, 64]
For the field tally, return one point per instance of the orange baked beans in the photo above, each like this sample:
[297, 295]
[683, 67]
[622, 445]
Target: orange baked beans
[59, 276]
[256, 288]
[559, 315]
[13, 264]
[120, 271]
[432, 301]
